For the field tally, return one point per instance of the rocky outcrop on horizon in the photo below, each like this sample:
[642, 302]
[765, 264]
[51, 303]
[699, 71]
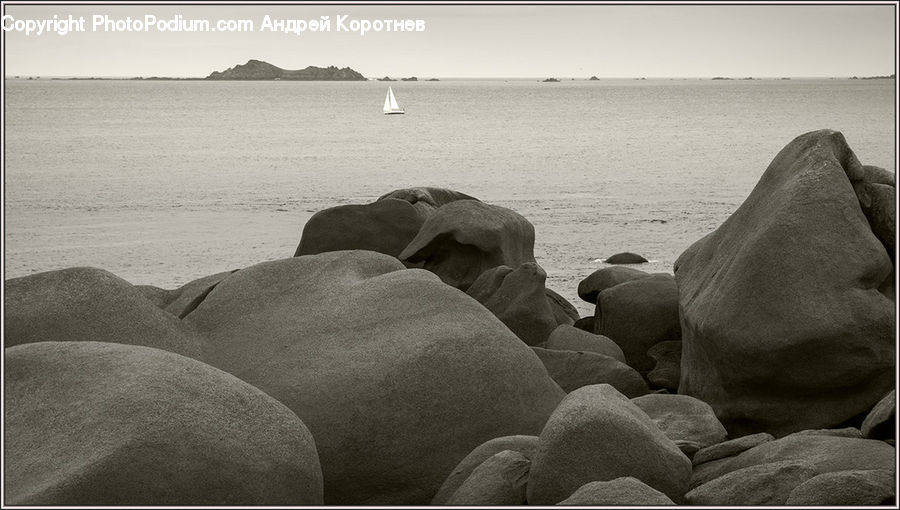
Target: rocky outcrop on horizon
[410, 353]
[259, 70]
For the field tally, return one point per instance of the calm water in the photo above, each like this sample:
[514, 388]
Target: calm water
[165, 182]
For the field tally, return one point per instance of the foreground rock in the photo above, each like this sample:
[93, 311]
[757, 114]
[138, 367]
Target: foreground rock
[90, 423]
[397, 375]
[385, 226]
[524, 445]
[639, 314]
[84, 304]
[465, 238]
[517, 297]
[626, 491]
[597, 434]
[787, 320]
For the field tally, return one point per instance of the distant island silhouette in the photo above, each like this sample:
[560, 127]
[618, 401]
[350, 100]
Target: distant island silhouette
[259, 70]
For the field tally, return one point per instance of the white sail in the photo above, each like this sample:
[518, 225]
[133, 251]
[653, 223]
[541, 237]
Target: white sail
[390, 103]
[394, 105]
[387, 100]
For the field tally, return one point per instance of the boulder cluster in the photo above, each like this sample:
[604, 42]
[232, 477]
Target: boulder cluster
[410, 353]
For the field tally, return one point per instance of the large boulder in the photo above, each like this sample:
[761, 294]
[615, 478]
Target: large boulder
[574, 369]
[91, 423]
[84, 304]
[518, 299]
[639, 314]
[182, 301]
[385, 226]
[625, 491]
[597, 434]
[426, 199]
[689, 422]
[465, 238]
[499, 480]
[785, 325]
[598, 281]
[525, 445]
[397, 375]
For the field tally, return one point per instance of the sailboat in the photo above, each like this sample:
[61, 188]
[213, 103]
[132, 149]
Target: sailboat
[390, 104]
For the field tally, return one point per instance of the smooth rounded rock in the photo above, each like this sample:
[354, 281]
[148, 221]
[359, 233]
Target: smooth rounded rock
[597, 434]
[625, 258]
[92, 423]
[84, 304]
[397, 375]
[625, 491]
[638, 315]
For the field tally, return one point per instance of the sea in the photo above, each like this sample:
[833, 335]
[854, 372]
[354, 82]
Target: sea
[163, 182]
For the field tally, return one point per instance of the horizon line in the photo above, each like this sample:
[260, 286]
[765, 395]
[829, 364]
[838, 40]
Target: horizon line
[558, 77]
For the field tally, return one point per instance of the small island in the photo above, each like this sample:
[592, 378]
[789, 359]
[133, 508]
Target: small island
[411, 78]
[551, 80]
[593, 78]
[259, 70]
[386, 78]
[432, 79]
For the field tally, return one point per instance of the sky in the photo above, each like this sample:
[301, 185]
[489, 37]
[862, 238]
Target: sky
[608, 41]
